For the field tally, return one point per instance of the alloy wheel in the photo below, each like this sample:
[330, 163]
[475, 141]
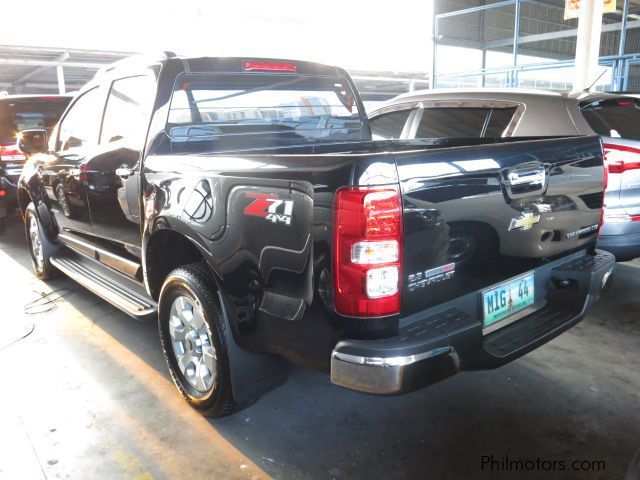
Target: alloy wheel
[36, 243]
[192, 345]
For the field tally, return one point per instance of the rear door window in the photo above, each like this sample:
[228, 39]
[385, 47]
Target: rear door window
[79, 124]
[618, 118]
[389, 126]
[127, 112]
[464, 122]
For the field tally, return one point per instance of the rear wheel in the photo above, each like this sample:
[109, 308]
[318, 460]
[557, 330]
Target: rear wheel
[195, 340]
[39, 246]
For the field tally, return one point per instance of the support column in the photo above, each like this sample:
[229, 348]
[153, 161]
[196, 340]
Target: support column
[431, 33]
[588, 44]
[621, 47]
[61, 85]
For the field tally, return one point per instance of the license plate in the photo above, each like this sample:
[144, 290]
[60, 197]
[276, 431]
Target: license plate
[507, 298]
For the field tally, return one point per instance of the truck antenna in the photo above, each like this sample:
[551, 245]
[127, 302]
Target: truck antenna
[588, 89]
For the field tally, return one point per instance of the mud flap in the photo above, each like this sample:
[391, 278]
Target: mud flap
[252, 374]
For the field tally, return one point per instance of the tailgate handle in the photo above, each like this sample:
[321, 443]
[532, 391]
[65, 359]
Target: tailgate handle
[528, 177]
[525, 180]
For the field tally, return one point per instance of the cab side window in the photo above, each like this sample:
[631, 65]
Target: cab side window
[78, 126]
[389, 126]
[127, 113]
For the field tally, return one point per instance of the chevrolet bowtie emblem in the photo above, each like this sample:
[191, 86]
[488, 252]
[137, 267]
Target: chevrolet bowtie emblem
[525, 221]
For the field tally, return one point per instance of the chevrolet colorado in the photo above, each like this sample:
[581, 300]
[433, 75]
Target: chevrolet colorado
[242, 203]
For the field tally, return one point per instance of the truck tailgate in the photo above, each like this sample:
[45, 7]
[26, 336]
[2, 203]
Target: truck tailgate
[480, 215]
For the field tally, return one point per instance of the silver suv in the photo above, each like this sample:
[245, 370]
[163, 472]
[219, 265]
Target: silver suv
[521, 112]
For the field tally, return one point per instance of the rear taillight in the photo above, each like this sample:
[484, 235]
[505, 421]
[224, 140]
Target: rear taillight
[621, 158]
[9, 153]
[367, 253]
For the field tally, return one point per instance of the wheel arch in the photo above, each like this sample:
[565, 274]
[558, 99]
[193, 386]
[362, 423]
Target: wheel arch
[165, 250]
[24, 198]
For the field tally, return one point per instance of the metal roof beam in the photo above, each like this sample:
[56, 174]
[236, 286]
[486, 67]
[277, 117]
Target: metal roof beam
[539, 37]
[44, 86]
[50, 63]
[23, 49]
[39, 70]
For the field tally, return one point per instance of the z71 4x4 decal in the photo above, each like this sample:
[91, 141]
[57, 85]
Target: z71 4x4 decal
[270, 207]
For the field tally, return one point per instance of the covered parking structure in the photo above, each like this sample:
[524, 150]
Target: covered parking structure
[528, 43]
[38, 70]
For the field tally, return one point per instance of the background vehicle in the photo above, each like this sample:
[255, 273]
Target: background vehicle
[243, 202]
[21, 112]
[523, 113]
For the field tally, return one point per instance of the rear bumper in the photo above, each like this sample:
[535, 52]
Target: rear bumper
[624, 247]
[449, 338]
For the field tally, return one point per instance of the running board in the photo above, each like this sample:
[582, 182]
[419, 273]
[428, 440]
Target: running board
[118, 290]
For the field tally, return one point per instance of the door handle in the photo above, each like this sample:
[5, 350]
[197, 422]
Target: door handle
[124, 172]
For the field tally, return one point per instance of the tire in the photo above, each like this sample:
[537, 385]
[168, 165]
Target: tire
[40, 248]
[194, 340]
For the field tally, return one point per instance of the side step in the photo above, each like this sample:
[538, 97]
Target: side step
[122, 292]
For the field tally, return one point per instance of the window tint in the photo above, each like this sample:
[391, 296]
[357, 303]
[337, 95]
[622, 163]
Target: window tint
[499, 121]
[389, 125]
[464, 122]
[128, 107]
[614, 118]
[80, 123]
[451, 122]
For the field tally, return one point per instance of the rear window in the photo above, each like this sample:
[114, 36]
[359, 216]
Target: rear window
[619, 118]
[451, 122]
[389, 125]
[224, 112]
[23, 113]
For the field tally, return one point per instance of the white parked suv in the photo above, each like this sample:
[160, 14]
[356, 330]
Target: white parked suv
[455, 113]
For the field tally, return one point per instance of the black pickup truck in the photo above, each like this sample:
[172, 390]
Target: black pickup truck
[243, 203]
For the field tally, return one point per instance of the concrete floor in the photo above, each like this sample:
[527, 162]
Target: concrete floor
[86, 395]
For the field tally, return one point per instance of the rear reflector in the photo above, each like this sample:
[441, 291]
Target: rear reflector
[367, 253]
[252, 66]
[621, 158]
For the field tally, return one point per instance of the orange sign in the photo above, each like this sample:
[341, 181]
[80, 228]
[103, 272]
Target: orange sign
[572, 7]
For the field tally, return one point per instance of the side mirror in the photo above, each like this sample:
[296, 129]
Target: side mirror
[32, 141]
